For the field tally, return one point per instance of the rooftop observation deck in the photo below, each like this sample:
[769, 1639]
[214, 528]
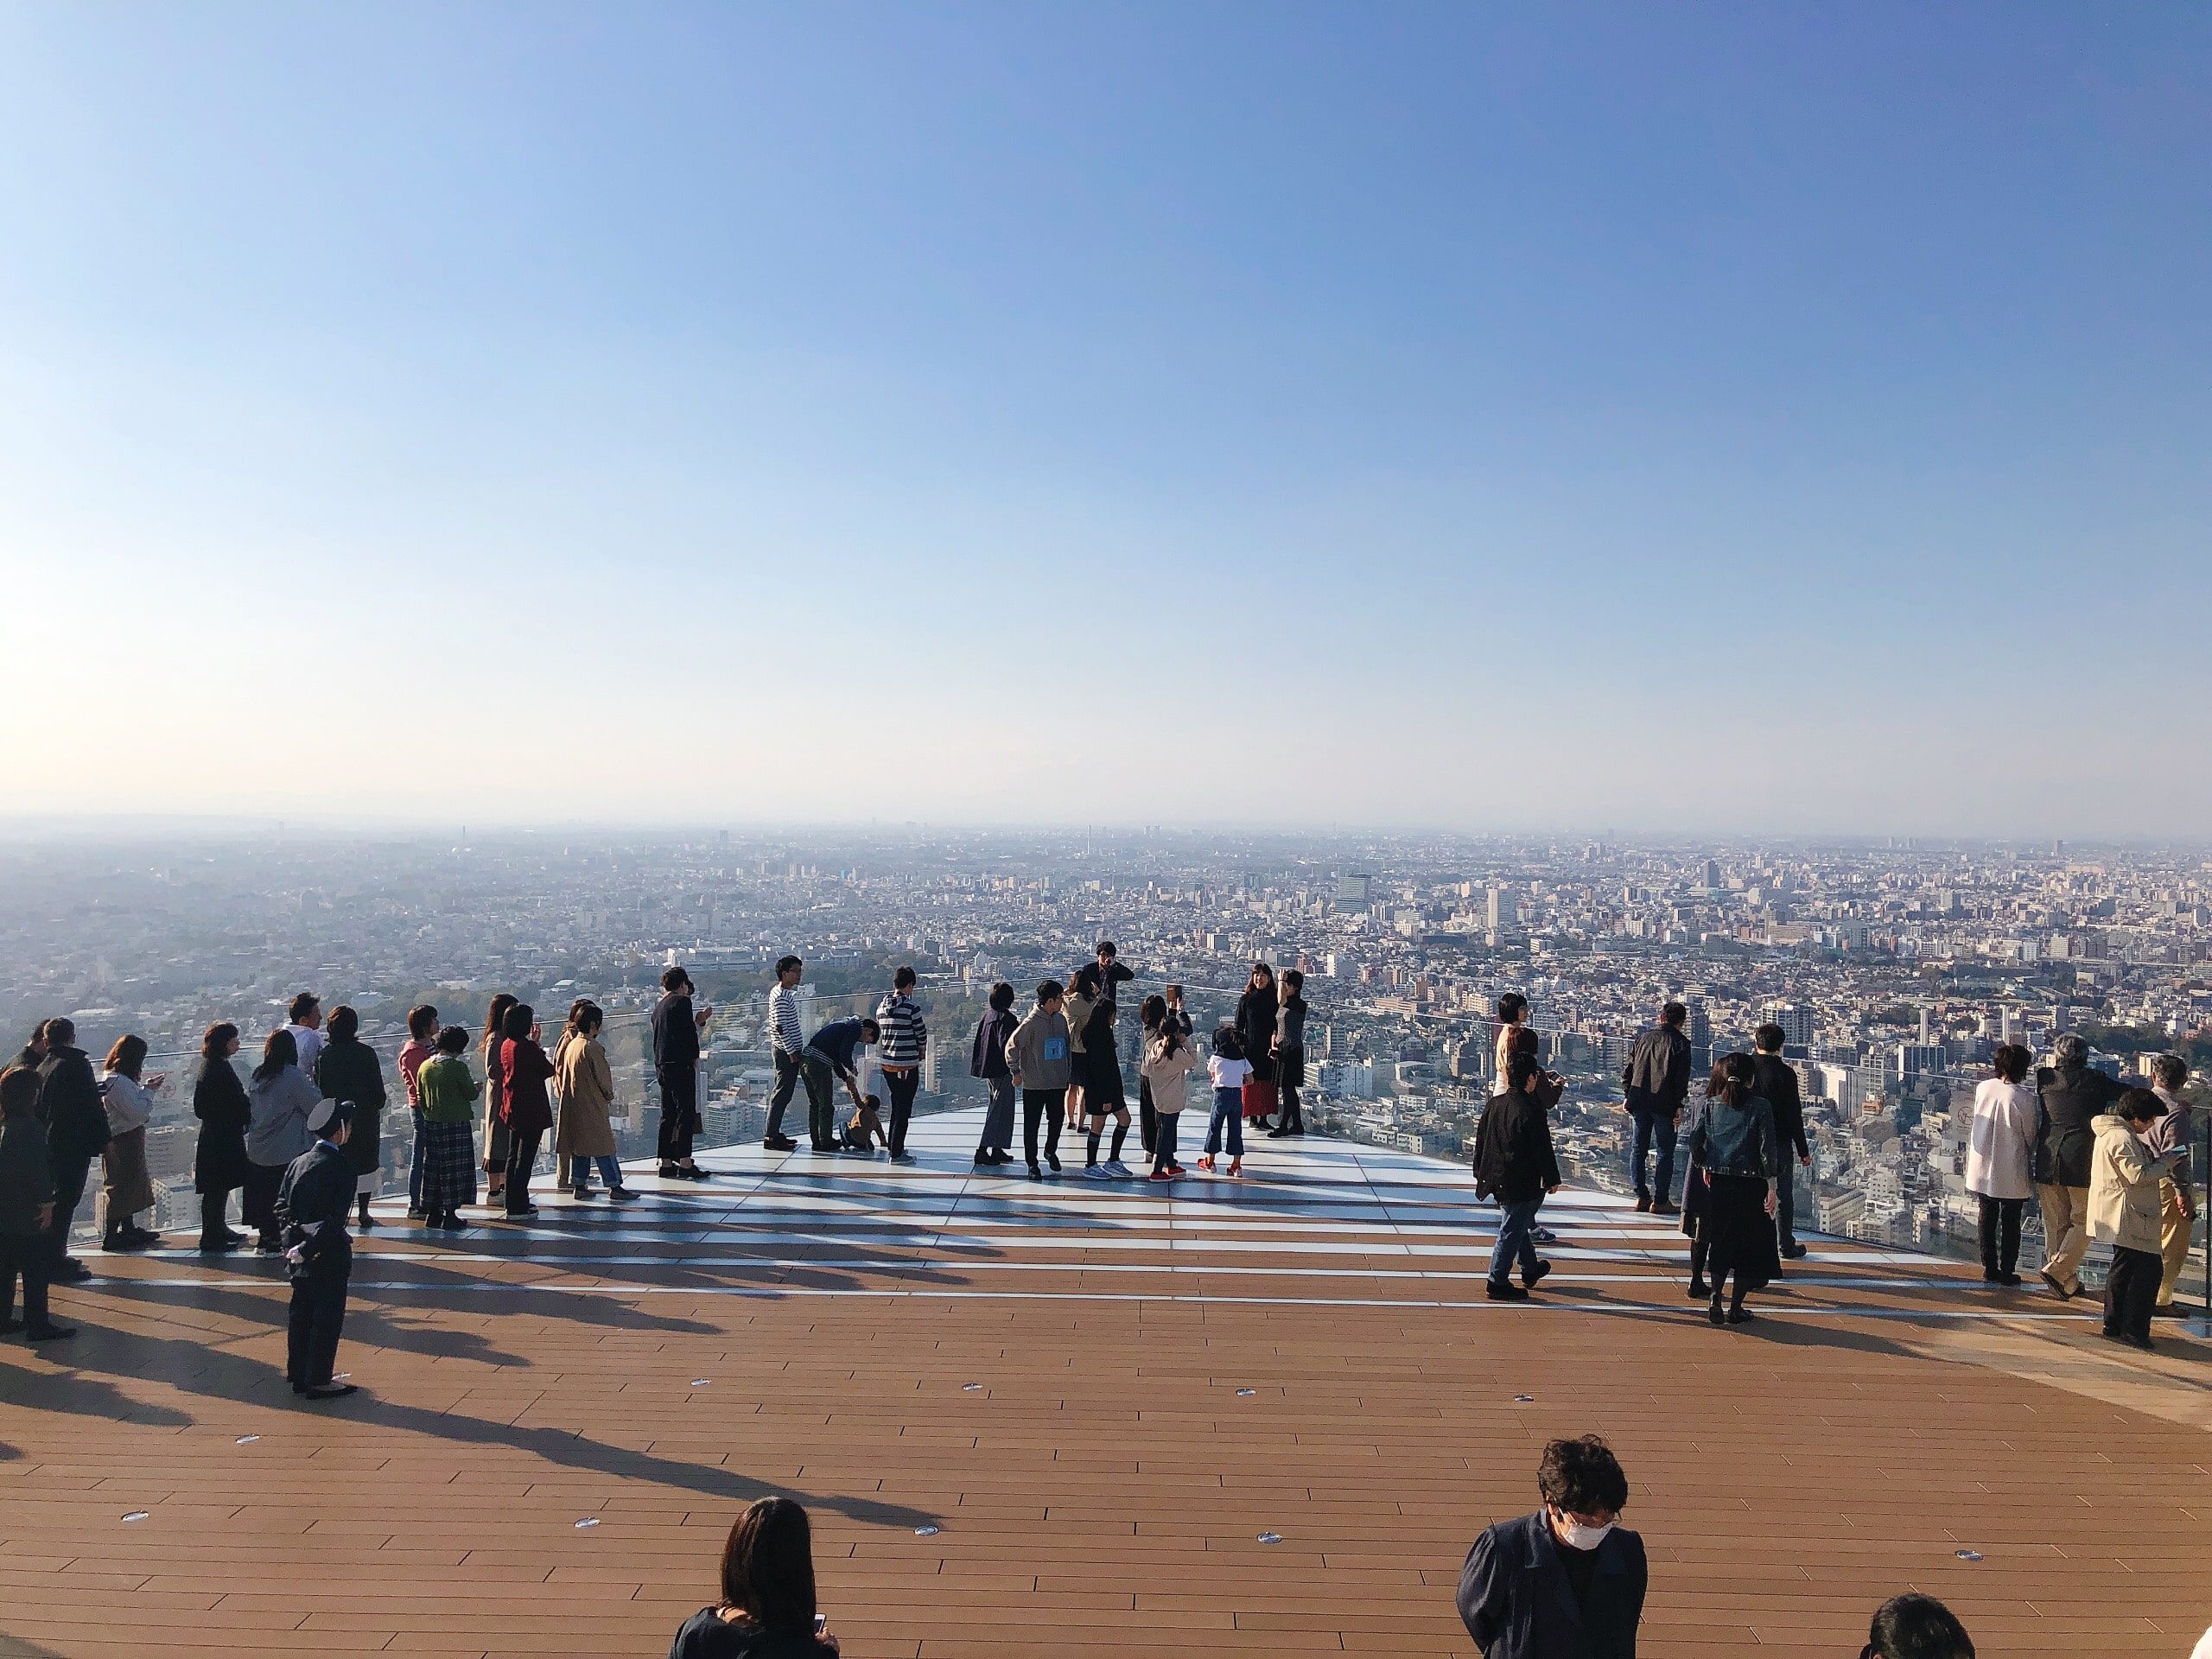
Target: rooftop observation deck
[1099, 1396]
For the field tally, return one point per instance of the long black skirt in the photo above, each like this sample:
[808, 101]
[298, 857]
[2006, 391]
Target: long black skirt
[1740, 1232]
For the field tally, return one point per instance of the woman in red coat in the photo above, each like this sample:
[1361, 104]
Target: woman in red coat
[524, 1107]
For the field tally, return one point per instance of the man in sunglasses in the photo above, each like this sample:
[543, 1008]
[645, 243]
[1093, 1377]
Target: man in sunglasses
[1569, 1580]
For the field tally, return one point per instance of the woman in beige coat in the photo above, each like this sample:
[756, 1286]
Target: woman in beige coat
[2124, 1212]
[582, 1133]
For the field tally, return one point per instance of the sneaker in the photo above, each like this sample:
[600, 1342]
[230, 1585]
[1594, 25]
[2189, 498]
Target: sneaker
[580, 1192]
[1508, 1292]
[1163, 1175]
[1176, 1169]
[1097, 1173]
[1205, 1162]
[1535, 1275]
[904, 1158]
[1118, 1170]
[415, 1213]
[1543, 1235]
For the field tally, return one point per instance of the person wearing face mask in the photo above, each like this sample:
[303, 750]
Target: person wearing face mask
[1569, 1581]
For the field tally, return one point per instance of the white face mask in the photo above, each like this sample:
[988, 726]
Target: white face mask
[1575, 1534]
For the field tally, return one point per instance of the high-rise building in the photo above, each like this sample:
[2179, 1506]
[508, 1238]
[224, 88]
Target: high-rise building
[1353, 892]
[1711, 873]
[1503, 911]
[1796, 1022]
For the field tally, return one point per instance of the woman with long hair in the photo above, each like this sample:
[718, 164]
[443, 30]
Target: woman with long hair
[1256, 1026]
[524, 1070]
[130, 1185]
[280, 1097]
[218, 1162]
[767, 1604]
[1734, 1143]
[495, 1092]
[349, 1070]
[585, 1132]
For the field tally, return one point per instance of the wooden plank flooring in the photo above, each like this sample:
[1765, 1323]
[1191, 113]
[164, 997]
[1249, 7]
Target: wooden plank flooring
[1099, 1397]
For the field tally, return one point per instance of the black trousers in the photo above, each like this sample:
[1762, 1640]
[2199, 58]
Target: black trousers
[1049, 1103]
[1292, 1118]
[214, 1225]
[318, 1315]
[522, 1157]
[70, 1175]
[788, 1068]
[28, 1256]
[903, 1086]
[2000, 1231]
[259, 1206]
[2131, 1292]
[679, 1104]
[1147, 1113]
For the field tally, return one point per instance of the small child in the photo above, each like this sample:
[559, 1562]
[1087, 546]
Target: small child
[867, 1128]
[1229, 1068]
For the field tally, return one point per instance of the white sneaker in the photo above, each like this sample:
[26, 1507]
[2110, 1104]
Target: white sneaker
[1097, 1173]
[1118, 1169]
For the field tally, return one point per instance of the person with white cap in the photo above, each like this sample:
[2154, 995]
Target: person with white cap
[312, 1205]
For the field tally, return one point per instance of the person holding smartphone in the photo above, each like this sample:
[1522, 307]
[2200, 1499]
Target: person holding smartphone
[767, 1609]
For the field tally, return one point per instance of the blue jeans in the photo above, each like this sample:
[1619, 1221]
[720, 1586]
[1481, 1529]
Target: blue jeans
[1649, 1124]
[1785, 1215]
[1514, 1242]
[414, 1167]
[610, 1171]
[1228, 1108]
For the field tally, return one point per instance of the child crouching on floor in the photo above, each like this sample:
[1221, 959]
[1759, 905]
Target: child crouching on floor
[867, 1128]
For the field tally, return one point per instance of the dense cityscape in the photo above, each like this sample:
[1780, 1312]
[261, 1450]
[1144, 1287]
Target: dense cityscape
[1894, 967]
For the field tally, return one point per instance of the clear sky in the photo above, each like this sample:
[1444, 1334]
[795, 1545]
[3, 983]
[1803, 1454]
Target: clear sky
[1766, 417]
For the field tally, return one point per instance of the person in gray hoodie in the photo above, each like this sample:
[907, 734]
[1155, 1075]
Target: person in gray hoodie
[280, 1097]
[1036, 1059]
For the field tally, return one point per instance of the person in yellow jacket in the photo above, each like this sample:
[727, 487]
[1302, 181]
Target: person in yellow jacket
[2123, 1213]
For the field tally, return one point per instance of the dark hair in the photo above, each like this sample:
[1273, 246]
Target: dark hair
[1769, 1037]
[2171, 1071]
[60, 1031]
[1259, 970]
[419, 1021]
[1733, 1077]
[452, 1038]
[1001, 997]
[38, 1033]
[1227, 1043]
[1673, 1014]
[903, 978]
[2136, 1105]
[1582, 1476]
[278, 1051]
[577, 1013]
[1511, 1006]
[2012, 1061]
[787, 965]
[18, 1092]
[1525, 1041]
[1086, 980]
[768, 1567]
[302, 1005]
[672, 977]
[1152, 1011]
[1518, 1070]
[1047, 989]
[1296, 979]
[516, 1026]
[872, 1030]
[585, 1017]
[344, 1024]
[1105, 949]
[495, 1020]
[215, 1041]
[873, 1103]
[127, 1057]
[1914, 1626]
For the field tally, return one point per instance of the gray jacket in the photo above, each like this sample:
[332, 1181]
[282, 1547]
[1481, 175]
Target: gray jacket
[278, 1131]
[1037, 1053]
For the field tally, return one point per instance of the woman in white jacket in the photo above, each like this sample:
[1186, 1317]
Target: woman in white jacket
[2000, 1160]
[130, 1103]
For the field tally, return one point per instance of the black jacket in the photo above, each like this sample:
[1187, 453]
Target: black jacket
[1514, 1159]
[987, 1052]
[2065, 1102]
[1657, 1076]
[69, 1101]
[1256, 1023]
[708, 1635]
[26, 1177]
[318, 1186]
[1517, 1602]
[1777, 1085]
[219, 1101]
[1292, 1014]
[676, 1031]
[350, 1070]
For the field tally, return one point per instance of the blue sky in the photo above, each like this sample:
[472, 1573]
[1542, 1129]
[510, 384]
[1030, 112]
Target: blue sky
[1768, 417]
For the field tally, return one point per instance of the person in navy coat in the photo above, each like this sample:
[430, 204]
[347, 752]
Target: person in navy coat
[1566, 1582]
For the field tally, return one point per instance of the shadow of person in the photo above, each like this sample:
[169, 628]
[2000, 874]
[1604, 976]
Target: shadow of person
[62, 1386]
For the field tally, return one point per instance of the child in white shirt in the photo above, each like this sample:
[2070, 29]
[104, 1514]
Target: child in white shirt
[1229, 1068]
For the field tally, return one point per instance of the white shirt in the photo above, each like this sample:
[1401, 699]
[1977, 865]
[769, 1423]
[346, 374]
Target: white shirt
[1228, 1074]
[128, 1102]
[2001, 1145]
[309, 1039]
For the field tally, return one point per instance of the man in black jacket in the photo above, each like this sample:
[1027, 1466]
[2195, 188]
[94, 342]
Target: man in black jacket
[1777, 1085]
[1569, 1581]
[1653, 1084]
[76, 1133]
[677, 1026]
[2068, 1096]
[1515, 1165]
[312, 1205]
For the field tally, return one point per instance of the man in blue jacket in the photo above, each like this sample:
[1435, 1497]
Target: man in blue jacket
[1566, 1582]
[828, 1056]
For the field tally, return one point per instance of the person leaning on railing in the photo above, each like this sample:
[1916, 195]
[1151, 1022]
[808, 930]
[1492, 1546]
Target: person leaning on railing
[2069, 1098]
[2169, 1138]
[767, 1605]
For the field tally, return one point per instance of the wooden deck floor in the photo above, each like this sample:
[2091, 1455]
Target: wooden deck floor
[1057, 1420]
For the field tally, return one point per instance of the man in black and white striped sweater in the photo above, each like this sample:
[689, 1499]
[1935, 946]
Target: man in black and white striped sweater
[905, 1039]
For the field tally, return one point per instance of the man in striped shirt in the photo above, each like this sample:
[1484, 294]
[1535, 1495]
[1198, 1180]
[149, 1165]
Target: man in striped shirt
[905, 1039]
[786, 1042]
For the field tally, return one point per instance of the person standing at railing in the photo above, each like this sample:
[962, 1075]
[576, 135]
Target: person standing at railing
[2069, 1098]
[129, 1102]
[281, 1098]
[1777, 1085]
[76, 1133]
[1735, 1144]
[1169, 1057]
[2169, 1138]
[306, 1026]
[530, 1113]
[1653, 1084]
[1256, 1012]
[2123, 1213]
[787, 1048]
[495, 1095]
[986, 1060]
[422, 1043]
[218, 1162]
[677, 1029]
[1290, 1054]
[33, 1053]
[447, 1094]
[1036, 1059]
[26, 1207]
[586, 1133]
[1099, 1063]
[349, 1070]
[905, 1041]
[2000, 1160]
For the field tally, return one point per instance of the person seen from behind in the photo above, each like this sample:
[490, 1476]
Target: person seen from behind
[128, 1100]
[677, 1027]
[349, 1070]
[2071, 1095]
[218, 1162]
[1516, 1164]
[767, 1609]
[1735, 1144]
[527, 1069]
[447, 1092]
[495, 1093]
[986, 1060]
[1654, 1086]
[1776, 1084]
[2123, 1212]
[26, 1209]
[280, 1097]
[305, 1018]
[2000, 1160]
[1569, 1581]
[1228, 1070]
[2169, 1139]
[1168, 1059]
[1512, 1015]
[421, 1044]
[1916, 1627]
[76, 1133]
